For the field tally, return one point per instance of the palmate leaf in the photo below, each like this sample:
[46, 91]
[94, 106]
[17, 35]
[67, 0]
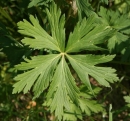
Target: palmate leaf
[52, 71]
[118, 22]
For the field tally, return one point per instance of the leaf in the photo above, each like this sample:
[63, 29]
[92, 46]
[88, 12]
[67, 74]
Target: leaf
[128, 2]
[104, 1]
[103, 75]
[7, 43]
[52, 72]
[94, 59]
[38, 2]
[127, 99]
[88, 94]
[62, 89]
[89, 105]
[118, 22]
[57, 23]
[6, 40]
[37, 38]
[16, 54]
[73, 113]
[87, 35]
[115, 42]
[86, 102]
[125, 54]
[39, 71]
[84, 6]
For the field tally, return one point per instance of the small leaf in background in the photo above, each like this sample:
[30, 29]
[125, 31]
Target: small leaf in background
[127, 99]
[104, 1]
[84, 7]
[38, 3]
[118, 22]
[87, 35]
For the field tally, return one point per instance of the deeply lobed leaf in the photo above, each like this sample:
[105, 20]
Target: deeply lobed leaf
[118, 22]
[53, 71]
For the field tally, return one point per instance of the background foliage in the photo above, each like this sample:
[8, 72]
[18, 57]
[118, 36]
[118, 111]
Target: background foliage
[76, 41]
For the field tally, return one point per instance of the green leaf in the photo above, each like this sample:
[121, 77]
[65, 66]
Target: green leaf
[37, 38]
[128, 2]
[6, 40]
[115, 20]
[88, 94]
[87, 104]
[62, 89]
[103, 75]
[94, 59]
[39, 71]
[38, 3]
[84, 7]
[115, 41]
[118, 22]
[127, 99]
[87, 35]
[57, 23]
[104, 1]
[125, 53]
[90, 105]
[73, 113]
[52, 72]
